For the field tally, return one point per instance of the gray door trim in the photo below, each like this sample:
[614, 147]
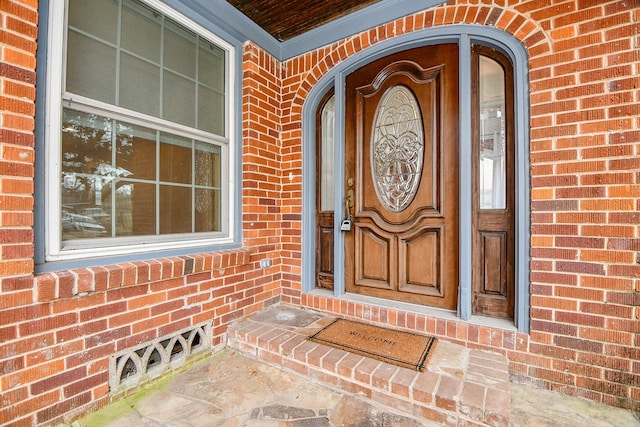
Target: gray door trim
[464, 35]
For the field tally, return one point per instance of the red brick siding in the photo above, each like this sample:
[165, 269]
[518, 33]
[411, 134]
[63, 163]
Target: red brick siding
[18, 30]
[55, 349]
[585, 190]
[18, 27]
[262, 212]
[57, 330]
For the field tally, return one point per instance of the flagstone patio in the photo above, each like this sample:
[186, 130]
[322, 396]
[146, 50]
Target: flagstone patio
[270, 375]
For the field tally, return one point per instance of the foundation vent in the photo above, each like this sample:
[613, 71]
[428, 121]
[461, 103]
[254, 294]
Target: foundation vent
[137, 365]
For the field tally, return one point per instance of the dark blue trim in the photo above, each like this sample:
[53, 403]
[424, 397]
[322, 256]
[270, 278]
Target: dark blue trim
[225, 21]
[465, 35]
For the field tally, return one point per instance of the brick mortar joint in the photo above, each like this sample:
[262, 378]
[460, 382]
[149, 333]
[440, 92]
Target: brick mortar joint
[219, 261]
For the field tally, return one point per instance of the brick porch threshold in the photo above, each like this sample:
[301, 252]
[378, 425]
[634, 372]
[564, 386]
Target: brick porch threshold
[461, 387]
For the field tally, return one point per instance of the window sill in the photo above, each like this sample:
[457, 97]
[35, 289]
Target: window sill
[82, 281]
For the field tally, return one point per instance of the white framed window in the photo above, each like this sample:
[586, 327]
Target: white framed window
[139, 130]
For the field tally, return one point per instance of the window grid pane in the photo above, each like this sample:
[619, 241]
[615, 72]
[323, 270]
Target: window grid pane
[95, 77]
[141, 31]
[139, 85]
[158, 77]
[120, 180]
[95, 17]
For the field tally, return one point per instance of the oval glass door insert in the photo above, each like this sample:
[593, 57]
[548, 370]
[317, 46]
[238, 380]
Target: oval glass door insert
[397, 148]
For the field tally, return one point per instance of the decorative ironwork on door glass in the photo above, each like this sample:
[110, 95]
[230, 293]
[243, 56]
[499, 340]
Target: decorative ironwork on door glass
[397, 148]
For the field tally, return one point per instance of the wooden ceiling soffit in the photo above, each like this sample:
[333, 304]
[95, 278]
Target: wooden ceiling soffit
[285, 19]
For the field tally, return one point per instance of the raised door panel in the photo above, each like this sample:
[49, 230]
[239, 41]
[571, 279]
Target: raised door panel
[375, 262]
[491, 286]
[324, 255]
[420, 271]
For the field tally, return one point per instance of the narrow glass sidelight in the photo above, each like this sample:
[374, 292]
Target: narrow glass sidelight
[493, 207]
[327, 144]
[492, 183]
[397, 148]
[325, 183]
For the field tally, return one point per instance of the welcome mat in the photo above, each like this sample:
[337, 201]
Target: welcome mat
[400, 348]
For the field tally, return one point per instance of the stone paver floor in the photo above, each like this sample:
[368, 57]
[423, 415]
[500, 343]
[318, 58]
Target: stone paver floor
[233, 390]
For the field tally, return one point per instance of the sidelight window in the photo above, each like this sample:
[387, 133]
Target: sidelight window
[492, 134]
[493, 207]
[325, 200]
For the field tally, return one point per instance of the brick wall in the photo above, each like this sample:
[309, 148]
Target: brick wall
[57, 330]
[585, 158]
[18, 27]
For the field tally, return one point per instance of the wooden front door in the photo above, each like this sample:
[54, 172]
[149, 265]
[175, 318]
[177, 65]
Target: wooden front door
[401, 177]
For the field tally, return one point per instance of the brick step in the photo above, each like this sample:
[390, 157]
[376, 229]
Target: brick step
[461, 386]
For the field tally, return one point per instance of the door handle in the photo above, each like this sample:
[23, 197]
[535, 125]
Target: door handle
[347, 223]
[348, 198]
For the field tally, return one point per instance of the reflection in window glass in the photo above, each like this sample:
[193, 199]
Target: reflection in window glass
[492, 135]
[87, 142]
[207, 203]
[120, 179]
[136, 209]
[207, 210]
[175, 209]
[327, 143]
[175, 159]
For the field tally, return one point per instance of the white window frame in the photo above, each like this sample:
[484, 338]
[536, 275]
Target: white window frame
[54, 251]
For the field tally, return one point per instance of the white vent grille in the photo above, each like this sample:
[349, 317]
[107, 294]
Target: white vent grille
[137, 365]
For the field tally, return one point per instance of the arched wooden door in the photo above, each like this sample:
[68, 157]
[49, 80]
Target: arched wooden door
[402, 178]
